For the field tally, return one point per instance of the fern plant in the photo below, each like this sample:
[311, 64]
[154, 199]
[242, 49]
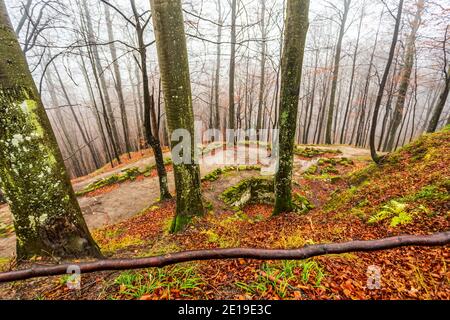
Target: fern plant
[394, 210]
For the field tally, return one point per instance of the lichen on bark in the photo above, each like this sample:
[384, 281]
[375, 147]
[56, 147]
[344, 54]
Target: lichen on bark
[168, 24]
[47, 217]
[291, 72]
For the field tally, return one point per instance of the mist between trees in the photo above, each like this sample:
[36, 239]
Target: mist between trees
[114, 77]
[87, 56]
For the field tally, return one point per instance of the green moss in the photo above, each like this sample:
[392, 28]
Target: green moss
[360, 176]
[215, 174]
[312, 169]
[222, 241]
[302, 204]
[251, 190]
[309, 152]
[340, 199]
[4, 263]
[179, 223]
[438, 192]
[129, 174]
[326, 167]
[6, 230]
[161, 247]
[120, 243]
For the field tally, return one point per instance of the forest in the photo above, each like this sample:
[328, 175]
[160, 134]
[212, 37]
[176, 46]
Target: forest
[224, 150]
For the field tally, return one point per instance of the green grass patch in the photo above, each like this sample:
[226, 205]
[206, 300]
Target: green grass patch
[182, 277]
[280, 276]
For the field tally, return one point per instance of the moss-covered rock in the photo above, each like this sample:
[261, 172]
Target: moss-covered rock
[251, 190]
[215, 174]
[127, 174]
[302, 204]
[309, 152]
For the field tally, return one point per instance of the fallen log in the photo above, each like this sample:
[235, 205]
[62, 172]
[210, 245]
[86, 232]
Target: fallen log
[437, 239]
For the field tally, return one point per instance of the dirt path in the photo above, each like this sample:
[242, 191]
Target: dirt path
[132, 197]
[141, 164]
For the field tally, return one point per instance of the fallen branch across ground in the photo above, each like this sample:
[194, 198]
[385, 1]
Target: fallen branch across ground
[437, 239]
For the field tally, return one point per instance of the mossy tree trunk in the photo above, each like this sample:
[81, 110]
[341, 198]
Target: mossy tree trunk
[47, 217]
[291, 72]
[168, 23]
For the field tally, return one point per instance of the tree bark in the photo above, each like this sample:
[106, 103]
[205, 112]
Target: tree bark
[218, 63]
[262, 78]
[151, 126]
[352, 79]
[118, 82]
[337, 59]
[174, 66]
[440, 105]
[103, 86]
[292, 62]
[231, 112]
[405, 76]
[47, 217]
[373, 151]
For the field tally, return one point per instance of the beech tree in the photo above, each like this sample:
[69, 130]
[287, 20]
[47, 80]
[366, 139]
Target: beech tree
[47, 217]
[373, 151]
[444, 94]
[169, 31]
[291, 72]
[405, 75]
[343, 15]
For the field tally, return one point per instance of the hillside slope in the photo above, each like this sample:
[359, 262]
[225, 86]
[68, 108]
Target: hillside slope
[343, 199]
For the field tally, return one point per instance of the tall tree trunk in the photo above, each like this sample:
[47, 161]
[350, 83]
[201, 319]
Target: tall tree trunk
[174, 65]
[137, 106]
[118, 81]
[292, 61]
[100, 74]
[373, 151]
[75, 161]
[150, 122]
[337, 60]
[308, 119]
[96, 111]
[262, 78]
[77, 121]
[388, 103]
[231, 112]
[47, 217]
[352, 79]
[405, 76]
[440, 105]
[218, 63]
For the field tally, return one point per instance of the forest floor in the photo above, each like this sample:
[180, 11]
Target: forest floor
[352, 199]
[119, 201]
